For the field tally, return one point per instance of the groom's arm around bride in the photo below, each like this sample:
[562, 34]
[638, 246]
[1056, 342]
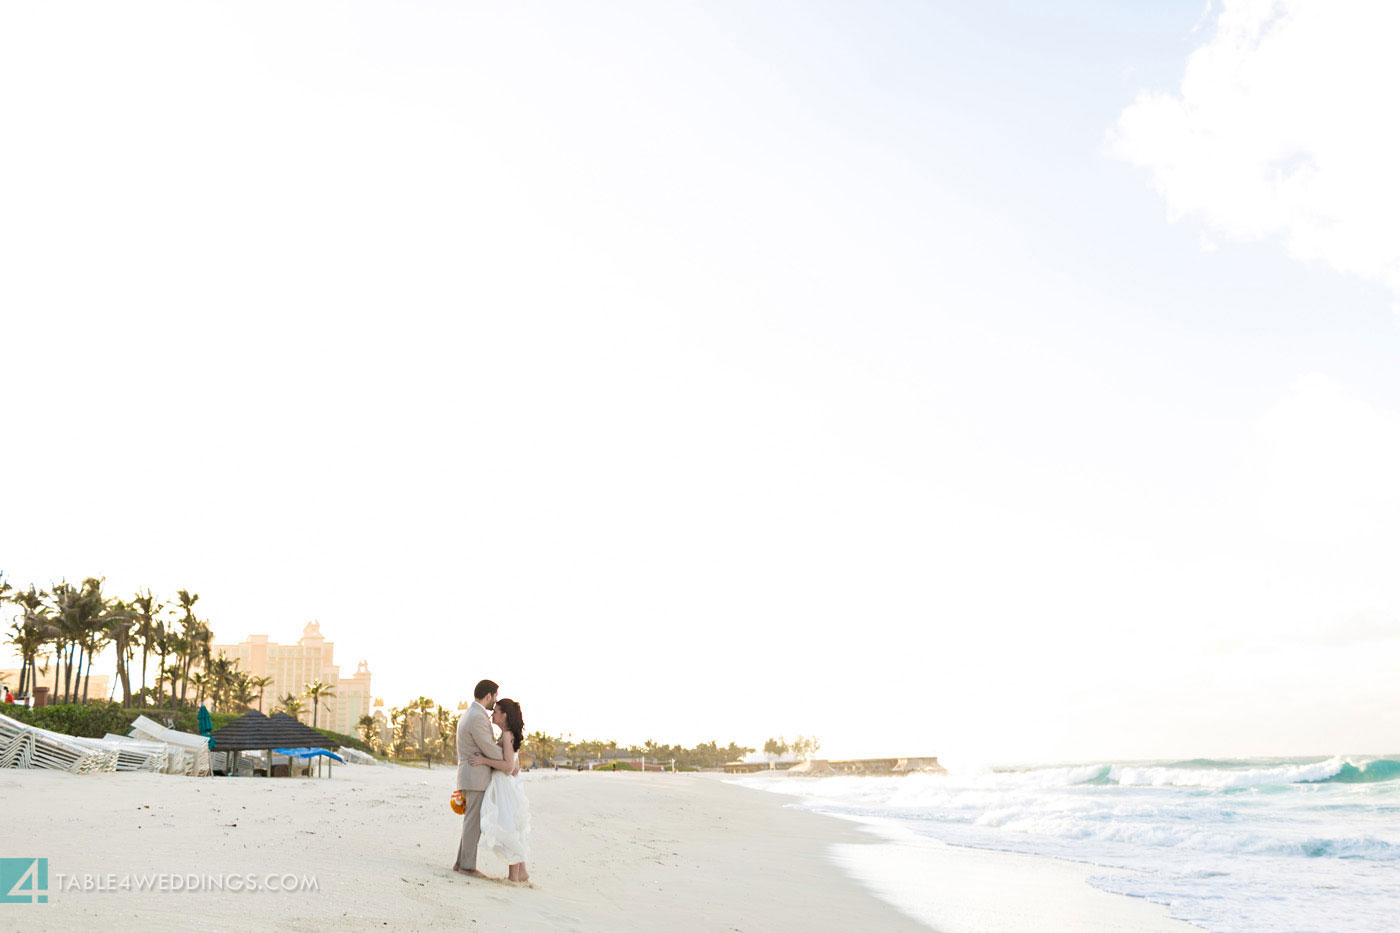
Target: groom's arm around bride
[474, 737]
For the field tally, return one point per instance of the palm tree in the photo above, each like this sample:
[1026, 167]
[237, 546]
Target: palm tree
[119, 630]
[201, 681]
[16, 629]
[102, 616]
[30, 634]
[220, 675]
[78, 617]
[543, 744]
[147, 610]
[175, 667]
[190, 640]
[165, 644]
[204, 644]
[27, 641]
[366, 730]
[447, 733]
[62, 630]
[243, 691]
[398, 734]
[170, 673]
[422, 706]
[261, 683]
[291, 705]
[315, 691]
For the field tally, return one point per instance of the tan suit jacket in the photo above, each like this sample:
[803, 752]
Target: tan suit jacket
[474, 736]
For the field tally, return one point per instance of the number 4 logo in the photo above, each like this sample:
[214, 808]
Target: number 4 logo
[24, 881]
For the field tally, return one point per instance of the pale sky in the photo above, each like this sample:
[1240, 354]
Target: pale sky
[959, 379]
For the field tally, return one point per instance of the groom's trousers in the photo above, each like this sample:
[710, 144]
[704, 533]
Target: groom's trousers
[471, 830]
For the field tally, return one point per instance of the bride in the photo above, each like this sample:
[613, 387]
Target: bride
[505, 812]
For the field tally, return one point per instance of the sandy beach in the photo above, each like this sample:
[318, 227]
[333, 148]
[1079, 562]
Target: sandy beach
[611, 852]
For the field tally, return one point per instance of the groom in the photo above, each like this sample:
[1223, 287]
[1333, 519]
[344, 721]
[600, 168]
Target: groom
[474, 737]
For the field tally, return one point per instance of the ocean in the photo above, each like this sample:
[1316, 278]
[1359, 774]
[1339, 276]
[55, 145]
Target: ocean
[1245, 846]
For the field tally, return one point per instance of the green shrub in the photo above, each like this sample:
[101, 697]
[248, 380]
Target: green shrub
[346, 741]
[94, 720]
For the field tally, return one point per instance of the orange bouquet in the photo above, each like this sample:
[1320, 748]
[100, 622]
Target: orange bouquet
[458, 802]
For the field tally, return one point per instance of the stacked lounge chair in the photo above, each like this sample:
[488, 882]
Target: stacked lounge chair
[188, 753]
[353, 756]
[219, 762]
[24, 746]
[138, 754]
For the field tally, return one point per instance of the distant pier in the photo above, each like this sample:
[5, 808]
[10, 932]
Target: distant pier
[819, 766]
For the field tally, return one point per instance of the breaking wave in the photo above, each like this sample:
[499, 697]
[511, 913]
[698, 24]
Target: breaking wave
[1219, 774]
[1335, 770]
[1264, 845]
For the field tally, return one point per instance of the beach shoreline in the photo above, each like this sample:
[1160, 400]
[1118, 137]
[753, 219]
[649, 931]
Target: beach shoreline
[611, 851]
[962, 889]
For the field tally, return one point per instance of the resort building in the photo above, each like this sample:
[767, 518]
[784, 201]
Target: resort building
[292, 667]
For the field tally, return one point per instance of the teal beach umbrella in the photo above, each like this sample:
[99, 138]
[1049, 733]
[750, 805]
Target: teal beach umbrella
[206, 724]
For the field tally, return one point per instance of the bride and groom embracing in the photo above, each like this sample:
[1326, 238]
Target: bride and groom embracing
[488, 781]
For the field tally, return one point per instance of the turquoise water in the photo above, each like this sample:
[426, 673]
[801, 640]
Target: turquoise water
[1234, 846]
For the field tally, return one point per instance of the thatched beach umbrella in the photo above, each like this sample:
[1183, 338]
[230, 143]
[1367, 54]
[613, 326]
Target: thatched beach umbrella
[255, 732]
[314, 738]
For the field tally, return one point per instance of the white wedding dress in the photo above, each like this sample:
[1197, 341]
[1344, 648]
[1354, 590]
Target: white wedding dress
[505, 818]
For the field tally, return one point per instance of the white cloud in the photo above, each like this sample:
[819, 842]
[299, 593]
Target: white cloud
[1283, 126]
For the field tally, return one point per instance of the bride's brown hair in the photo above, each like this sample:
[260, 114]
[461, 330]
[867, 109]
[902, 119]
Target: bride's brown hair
[515, 723]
